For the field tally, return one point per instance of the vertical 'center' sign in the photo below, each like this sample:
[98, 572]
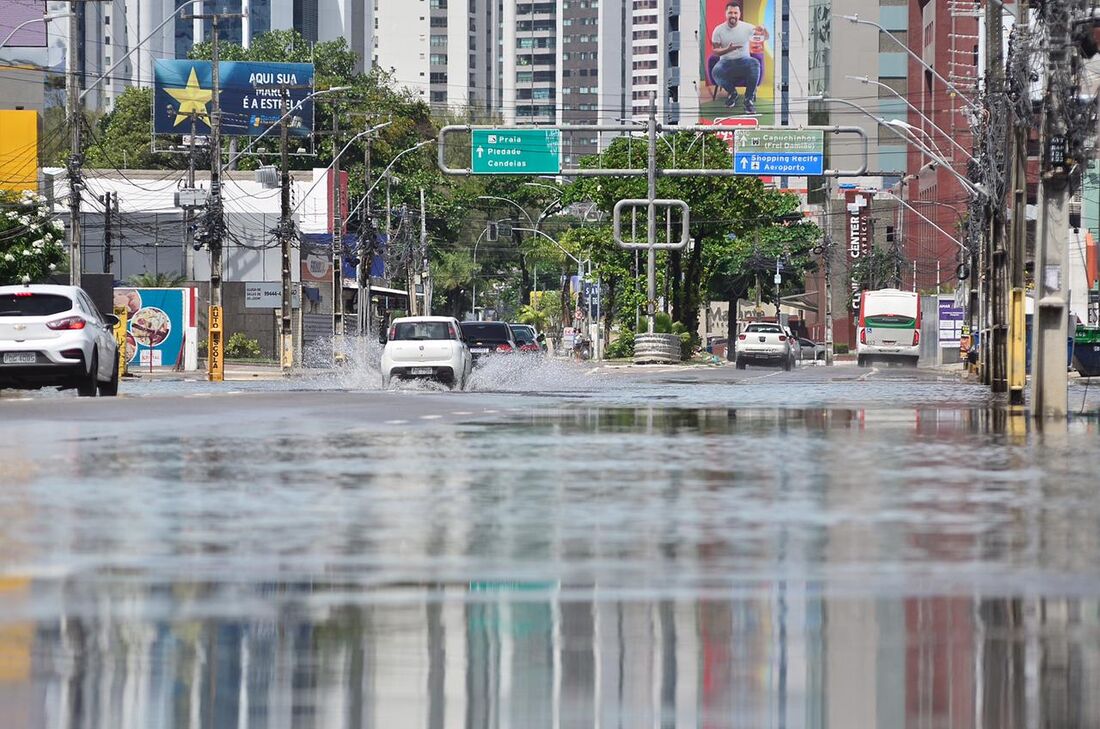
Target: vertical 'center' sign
[515, 151]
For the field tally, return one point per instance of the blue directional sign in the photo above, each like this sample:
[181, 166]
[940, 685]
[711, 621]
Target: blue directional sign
[794, 152]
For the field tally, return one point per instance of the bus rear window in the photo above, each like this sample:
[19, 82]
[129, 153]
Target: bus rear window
[890, 320]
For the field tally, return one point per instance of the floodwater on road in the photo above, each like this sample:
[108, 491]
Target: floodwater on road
[564, 547]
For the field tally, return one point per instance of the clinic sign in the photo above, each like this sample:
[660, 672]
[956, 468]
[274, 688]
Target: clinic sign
[250, 96]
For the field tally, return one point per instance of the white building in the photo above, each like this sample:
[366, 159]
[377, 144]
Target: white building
[444, 50]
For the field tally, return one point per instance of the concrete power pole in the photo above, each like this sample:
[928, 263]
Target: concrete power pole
[337, 244]
[1050, 380]
[997, 258]
[286, 332]
[76, 153]
[1016, 168]
[366, 249]
[425, 276]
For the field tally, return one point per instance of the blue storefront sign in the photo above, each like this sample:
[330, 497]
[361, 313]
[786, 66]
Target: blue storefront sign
[250, 97]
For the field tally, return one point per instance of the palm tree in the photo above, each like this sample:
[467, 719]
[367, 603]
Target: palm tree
[157, 280]
[534, 316]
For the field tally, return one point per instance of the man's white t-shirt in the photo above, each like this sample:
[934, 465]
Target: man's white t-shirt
[740, 34]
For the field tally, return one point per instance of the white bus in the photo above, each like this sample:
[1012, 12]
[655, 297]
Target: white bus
[889, 327]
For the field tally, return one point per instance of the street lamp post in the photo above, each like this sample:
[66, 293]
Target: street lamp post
[44, 19]
[915, 110]
[973, 187]
[860, 21]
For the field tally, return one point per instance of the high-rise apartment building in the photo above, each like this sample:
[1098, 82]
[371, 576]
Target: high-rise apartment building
[444, 50]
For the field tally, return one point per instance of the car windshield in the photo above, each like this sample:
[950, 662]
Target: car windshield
[422, 330]
[486, 331]
[764, 328]
[523, 335]
[32, 304]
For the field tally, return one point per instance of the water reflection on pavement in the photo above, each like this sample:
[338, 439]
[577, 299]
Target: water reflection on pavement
[584, 561]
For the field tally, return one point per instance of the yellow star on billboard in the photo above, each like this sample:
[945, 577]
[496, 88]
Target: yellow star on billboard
[191, 98]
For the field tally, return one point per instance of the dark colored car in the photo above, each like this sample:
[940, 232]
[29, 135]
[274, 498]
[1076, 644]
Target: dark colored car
[526, 338]
[488, 337]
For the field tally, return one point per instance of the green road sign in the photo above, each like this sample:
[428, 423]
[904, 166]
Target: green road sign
[789, 141]
[795, 152]
[515, 151]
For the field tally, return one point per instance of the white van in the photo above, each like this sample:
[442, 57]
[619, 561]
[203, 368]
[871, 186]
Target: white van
[889, 327]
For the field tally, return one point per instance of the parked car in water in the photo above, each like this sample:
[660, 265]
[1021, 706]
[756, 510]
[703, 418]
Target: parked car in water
[489, 338]
[766, 343]
[428, 347]
[527, 338]
[811, 350]
[54, 336]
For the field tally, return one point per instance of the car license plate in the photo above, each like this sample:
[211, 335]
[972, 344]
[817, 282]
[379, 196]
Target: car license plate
[480, 350]
[19, 358]
[420, 371]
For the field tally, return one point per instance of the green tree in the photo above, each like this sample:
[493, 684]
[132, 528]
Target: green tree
[741, 206]
[157, 280]
[122, 138]
[452, 273]
[31, 245]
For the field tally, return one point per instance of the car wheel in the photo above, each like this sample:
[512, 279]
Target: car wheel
[739, 363]
[89, 383]
[110, 388]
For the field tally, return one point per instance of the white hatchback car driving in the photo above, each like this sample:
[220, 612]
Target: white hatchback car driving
[429, 347]
[53, 336]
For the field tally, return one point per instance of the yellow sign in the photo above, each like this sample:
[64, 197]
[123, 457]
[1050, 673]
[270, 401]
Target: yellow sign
[214, 352]
[120, 336]
[18, 150]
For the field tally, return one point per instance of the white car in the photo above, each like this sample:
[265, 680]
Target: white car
[53, 336]
[766, 343]
[430, 347]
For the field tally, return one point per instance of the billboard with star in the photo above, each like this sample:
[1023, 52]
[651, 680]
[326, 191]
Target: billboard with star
[250, 97]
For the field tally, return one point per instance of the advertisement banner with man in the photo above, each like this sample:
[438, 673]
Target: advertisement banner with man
[737, 59]
[250, 97]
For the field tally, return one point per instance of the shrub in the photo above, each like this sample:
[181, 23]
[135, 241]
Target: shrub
[241, 347]
[840, 348]
[622, 347]
[662, 323]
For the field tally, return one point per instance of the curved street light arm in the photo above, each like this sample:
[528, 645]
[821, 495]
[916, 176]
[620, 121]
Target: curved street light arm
[915, 110]
[194, 4]
[576, 260]
[510, 202]
[937, 160]
[382, 176]
[854, 17]
[44, 19]
[928, 220]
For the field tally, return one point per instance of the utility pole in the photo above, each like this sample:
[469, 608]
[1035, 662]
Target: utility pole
[108, 259]
[188, 212]
[337, 244]
[651, 215]
[997, 258]
[76, 153]
[410, 258]
[215, 222]
[424, 275]
[286, 332]
[1016, 169]
[1049, 378]
[366, 249]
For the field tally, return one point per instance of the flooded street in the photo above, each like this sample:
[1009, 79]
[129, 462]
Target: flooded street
[563, 546]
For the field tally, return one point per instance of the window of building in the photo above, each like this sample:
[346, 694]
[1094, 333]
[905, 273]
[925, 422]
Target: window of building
[438, 41]
[438, 59]
[439, 97]
[438, 77]
[438, 22]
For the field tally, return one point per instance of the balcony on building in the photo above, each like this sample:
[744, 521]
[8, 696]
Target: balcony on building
[674, 40]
